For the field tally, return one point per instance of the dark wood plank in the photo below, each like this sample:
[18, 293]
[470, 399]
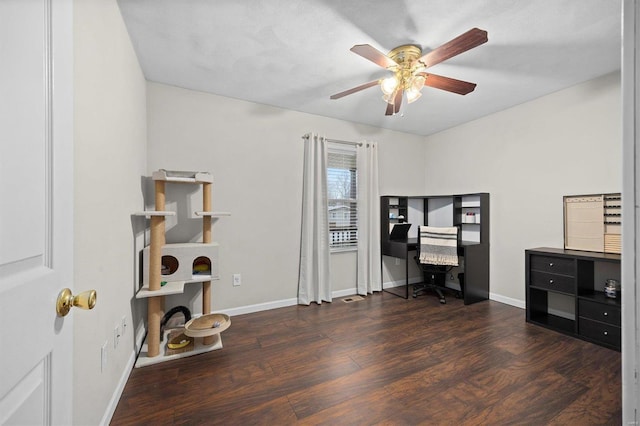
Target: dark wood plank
[382, 360]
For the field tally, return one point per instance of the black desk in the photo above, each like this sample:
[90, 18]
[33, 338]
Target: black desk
[476, 266]
[442, 210]
[400, 249]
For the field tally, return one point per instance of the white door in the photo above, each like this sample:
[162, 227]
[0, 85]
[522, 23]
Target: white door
[36, 206]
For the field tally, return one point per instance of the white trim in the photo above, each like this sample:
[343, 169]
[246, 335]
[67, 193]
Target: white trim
[249, 309]
[507, 300]
[401, 283]
[342, 293]
[117, 393]
[343, 249]
[492, 296]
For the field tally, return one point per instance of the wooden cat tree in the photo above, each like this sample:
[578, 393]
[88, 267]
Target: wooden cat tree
[170, 266]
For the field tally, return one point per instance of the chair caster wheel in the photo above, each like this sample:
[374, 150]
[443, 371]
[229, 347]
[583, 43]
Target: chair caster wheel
[443, 301]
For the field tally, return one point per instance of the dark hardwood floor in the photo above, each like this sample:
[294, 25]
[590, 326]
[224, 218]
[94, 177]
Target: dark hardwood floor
[382, 360]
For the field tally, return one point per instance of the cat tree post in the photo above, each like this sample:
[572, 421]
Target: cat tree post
[154, 307]
[206, 238]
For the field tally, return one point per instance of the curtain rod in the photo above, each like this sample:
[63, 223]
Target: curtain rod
[337, 141]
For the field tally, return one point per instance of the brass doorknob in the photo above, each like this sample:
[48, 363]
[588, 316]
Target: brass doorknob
[66, 300]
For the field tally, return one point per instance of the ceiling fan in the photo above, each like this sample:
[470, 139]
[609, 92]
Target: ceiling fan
[408, 65]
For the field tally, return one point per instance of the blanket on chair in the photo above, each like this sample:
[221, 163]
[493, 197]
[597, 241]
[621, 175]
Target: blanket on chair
[439, 246]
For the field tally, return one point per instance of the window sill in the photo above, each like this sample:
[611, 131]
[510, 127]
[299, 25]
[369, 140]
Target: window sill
[342, 250]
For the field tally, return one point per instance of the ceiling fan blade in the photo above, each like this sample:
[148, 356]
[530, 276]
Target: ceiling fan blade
[472, 38]
[374, 55]
[389, 110]
[394, 108]
[355, 89]
[398, 101]
[449, 84]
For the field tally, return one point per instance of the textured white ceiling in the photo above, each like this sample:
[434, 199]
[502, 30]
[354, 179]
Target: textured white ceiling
[295, 54]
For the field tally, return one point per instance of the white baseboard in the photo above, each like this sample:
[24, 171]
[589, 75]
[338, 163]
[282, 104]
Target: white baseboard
[507, 300]
[342, 293]
[249, 309]
[141, 333]
[259, 307]
[401, 283]
[117, 393]
[493, 296]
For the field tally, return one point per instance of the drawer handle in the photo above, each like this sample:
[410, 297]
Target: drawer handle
[606, 314]
[551, 264]
[550, 281]
[606, 333]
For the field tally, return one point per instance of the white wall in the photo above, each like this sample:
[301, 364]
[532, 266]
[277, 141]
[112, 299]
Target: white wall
[110, 158]
[255, 154]
[527, 158]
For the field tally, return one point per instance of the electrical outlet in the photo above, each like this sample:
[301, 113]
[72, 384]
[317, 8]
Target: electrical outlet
[237, 280]
[103, 357]
[397, 261]
[116, 336]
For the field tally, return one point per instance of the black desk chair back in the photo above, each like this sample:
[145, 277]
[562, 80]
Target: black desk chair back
[437, 255]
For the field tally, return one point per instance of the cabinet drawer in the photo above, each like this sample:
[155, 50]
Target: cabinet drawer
[552, 282]
[601, 332]
[555, 265]
[599, 312]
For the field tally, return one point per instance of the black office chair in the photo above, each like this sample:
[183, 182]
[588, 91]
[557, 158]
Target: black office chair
[437, 255]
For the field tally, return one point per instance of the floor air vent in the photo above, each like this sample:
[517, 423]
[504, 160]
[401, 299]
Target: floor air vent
[352, 299]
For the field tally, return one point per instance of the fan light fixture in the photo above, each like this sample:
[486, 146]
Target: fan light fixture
[405, 76]
[388, 85]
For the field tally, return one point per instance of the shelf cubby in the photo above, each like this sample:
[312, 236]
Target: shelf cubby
[199, 348]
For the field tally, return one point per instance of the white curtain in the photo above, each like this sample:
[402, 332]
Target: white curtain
[314, 282]
[369, 277]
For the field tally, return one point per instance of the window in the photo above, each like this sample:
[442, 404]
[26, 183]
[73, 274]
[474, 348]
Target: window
[342, 197]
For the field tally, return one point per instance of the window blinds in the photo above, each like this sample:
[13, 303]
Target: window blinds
[342, 197]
